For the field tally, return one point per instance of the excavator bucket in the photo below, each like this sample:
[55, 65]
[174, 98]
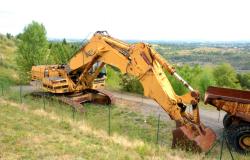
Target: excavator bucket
[187, 137]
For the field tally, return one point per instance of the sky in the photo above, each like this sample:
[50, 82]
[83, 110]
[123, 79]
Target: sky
[213, 20]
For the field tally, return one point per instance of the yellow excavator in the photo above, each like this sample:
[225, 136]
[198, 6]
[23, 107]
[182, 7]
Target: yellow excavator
[80, 77]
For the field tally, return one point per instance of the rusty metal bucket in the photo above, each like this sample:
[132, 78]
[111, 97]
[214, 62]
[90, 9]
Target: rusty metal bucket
[189, 138]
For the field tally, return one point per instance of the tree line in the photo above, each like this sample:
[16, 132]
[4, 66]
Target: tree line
[223, 75]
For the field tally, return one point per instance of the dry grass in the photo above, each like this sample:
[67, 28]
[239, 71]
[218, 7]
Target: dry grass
[45, 135]
[28, 132]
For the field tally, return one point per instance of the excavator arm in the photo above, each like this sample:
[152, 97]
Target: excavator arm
[143, 62]
[139, 60]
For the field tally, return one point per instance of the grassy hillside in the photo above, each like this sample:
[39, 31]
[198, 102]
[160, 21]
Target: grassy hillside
[30, 131]
[7, 51]
[8, 73]
[41, 135]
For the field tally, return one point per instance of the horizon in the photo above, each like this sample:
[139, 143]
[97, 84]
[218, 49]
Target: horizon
[161, 20]
[155, 40]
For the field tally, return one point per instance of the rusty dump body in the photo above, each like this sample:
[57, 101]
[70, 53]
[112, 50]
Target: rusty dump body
[235, 102]
[237, 120]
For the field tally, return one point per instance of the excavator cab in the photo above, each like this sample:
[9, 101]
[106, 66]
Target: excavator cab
[53, 78]
[99, 81]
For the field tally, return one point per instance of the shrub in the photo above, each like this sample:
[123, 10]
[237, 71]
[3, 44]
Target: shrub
[225, 76]
[131, 84]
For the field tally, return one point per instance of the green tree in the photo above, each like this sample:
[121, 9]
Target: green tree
[64, 42]
[189, 74]
[131, 84]
[225, 76]
[205, 79]
[61, 52]
[9, 36]
[244, 80]
[32, 48]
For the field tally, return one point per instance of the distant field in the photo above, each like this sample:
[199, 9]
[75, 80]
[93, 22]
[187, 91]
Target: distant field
[237, 54]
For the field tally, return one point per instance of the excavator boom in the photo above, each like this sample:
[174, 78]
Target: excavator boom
[143, 62]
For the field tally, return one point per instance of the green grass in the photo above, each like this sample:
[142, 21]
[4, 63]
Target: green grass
[8, 75]
[28, 131]
[7, 51]
[29, 136]
[113, 79]
[129, 124]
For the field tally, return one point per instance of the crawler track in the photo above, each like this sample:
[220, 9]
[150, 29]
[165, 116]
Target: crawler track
[76, 100]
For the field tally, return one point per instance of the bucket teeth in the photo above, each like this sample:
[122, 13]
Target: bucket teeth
[189, 138]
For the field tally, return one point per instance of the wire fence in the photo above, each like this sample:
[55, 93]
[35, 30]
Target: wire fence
[112, 119]
[1, 89]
